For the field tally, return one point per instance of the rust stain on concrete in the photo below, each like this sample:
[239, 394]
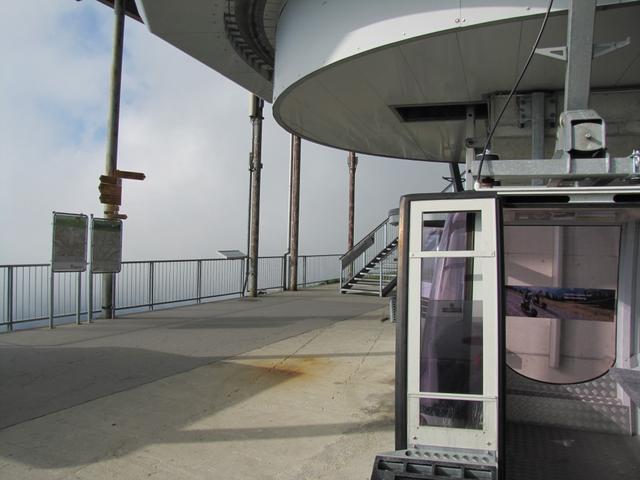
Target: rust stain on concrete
[293, 367]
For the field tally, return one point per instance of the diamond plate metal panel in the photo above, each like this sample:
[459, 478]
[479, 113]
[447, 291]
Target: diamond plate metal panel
[592, 406]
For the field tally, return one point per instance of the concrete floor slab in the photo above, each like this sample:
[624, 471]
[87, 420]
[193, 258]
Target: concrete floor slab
[306, 394]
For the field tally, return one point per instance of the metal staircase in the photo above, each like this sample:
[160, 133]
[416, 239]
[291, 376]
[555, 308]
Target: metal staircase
[370, 267]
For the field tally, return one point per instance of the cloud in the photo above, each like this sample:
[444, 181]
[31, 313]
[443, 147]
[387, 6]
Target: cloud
[182, 124]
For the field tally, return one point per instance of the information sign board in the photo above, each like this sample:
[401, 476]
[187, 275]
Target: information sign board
[69, 250]
[106, 245]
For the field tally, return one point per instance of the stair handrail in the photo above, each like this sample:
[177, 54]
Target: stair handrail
[358, 245]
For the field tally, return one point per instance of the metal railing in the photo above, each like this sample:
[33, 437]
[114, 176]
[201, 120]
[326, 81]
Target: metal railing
[362, 253]
[26, 296]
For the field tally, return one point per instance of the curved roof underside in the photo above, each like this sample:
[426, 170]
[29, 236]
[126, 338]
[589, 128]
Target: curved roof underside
[234, 37]
[346, 96]
[408, 99]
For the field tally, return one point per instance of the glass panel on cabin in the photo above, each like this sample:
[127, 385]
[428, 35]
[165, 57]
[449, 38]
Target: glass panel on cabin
[451, 413]
[450, 322]
[560, 306]
[452, 231]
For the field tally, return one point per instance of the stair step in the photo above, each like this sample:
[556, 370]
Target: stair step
[361, 292]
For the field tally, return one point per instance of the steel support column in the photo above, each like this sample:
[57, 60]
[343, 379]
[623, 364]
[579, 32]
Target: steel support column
[256, 167]
[352, 162]
[470, 153]
[537, 125]
[537, 129]
[294, 202]
[579, 54]
[110, 211]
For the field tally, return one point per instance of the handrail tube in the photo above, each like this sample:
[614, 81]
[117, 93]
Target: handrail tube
[372, 232]
[355, 252]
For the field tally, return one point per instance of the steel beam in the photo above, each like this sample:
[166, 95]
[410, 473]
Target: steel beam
[470, 153]
[256, 166]
[294, 209]
[537, 124]
[559, 168]
[579, 54]
[111, 211]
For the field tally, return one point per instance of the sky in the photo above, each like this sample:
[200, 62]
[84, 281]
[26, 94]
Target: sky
[182, 124]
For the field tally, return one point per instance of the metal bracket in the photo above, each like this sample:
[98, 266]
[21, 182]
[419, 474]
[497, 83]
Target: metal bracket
[599, 49]
[557, 53]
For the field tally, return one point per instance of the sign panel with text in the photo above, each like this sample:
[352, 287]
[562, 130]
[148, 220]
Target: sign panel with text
[69, 250]
[106, 246]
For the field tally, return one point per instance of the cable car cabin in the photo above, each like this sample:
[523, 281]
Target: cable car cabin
[518, 336]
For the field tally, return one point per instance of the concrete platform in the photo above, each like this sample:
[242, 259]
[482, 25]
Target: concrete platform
[288, 386]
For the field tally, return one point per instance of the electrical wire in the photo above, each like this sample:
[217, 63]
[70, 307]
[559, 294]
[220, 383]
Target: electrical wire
[513, 90]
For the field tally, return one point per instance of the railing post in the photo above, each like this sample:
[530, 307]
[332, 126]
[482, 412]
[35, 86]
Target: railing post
[114, 294]
[199, 281]
[304, 270]
[78, 297]
[89, 295]
[51, 287]
[385, 235]
[150, 281]
[10, 298]
[283, 274]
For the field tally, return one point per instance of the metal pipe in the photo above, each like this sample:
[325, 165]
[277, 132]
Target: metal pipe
[90, 274]
[246, 260]
[256, 157]
[352, 162]
[110, 211]
[294, 213]
[291, 148]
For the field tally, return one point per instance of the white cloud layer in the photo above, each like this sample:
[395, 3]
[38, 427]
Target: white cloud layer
[182, 124]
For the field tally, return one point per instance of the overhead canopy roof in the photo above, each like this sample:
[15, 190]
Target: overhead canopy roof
[408, 99]
[373, 76]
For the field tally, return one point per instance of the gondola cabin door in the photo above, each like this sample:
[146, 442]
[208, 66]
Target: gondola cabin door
[453, 326]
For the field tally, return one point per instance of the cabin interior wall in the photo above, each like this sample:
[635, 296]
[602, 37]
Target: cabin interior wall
[561, 284]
